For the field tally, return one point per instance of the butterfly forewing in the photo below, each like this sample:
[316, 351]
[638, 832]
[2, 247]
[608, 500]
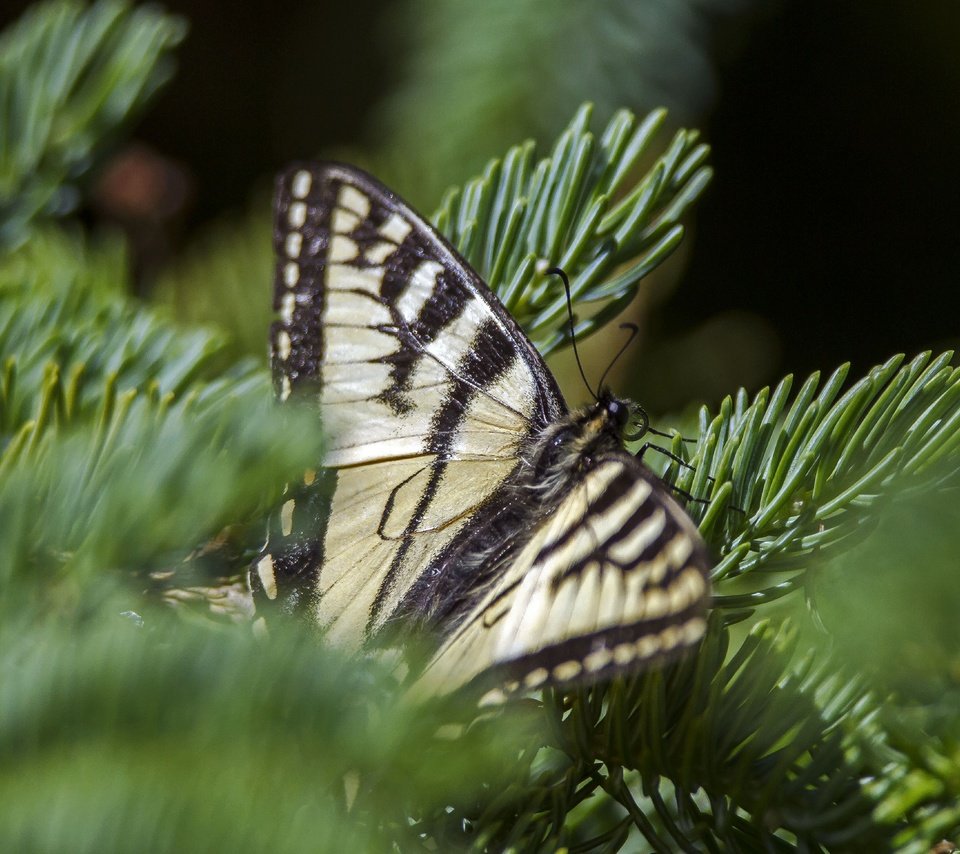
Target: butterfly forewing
[424, 382]
[429, 515]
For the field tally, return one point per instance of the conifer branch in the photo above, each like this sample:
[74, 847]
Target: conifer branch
[70, 78]
[101, 397]
[580, 208]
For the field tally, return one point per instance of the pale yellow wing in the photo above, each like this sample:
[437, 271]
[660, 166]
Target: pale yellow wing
[426, 387]
[613, 581]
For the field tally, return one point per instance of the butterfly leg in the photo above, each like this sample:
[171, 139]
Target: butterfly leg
[649, 446]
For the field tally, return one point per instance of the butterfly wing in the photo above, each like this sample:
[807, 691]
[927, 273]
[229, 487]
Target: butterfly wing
[427, 388]
[613, 580]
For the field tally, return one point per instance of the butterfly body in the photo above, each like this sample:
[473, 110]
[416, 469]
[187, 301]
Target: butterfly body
[550, 464]
[459, 500]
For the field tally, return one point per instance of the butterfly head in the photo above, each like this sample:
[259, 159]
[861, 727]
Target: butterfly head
[575, 442]
[612, 415]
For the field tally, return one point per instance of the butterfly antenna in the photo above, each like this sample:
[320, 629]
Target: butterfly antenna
[556, 271]
[634, 331]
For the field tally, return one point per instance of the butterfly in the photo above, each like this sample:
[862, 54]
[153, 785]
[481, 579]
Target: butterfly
[459, 501]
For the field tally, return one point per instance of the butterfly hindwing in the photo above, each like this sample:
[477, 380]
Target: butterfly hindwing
[613, 577]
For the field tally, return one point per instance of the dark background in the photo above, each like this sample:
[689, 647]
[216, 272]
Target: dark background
[834, 127]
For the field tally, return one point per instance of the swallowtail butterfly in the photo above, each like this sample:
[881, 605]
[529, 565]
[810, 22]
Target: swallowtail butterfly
[459, 499]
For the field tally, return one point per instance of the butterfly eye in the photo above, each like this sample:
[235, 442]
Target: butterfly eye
[619, 413]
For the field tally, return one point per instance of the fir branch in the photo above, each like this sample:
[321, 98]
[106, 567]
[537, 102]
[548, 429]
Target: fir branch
[100, 396]
[577, 209]
[689, 752]
[807, 474]
[795, 482]
[70, 78]
[171, 737]
[63, 308]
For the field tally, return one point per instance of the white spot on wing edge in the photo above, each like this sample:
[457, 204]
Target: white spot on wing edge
[267, 577]
[535, 678]
[297, 214]
[287, 305]
[624, 653]
[567, 671]
[493, 697]
[286, 517]
[291, 273]
[283, 344]
[284, 389]
[693, 630]
[301, 183]
[649, 645]
[293, 243]
[597, 660]
[671, 637]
